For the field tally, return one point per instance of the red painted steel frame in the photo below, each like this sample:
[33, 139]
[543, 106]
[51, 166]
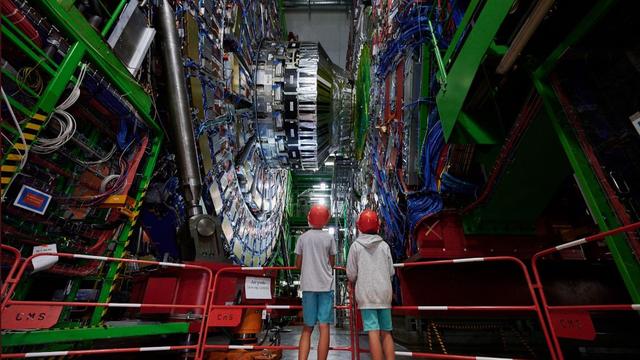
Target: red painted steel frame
[539, 286]
[204, 346]
[535, 307]
[14, 266]
[8, 302]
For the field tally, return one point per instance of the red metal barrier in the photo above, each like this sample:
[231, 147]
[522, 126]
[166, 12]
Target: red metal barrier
[534, 307]
[14, 266]
[249, 270]
[418, 355]
[549, 309]
[7, 305]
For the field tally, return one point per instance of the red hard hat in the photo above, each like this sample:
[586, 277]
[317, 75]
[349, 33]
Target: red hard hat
[368, 222]
[318, 216]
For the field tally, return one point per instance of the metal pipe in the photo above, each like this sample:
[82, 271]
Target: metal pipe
[179, 112]
[524, 35]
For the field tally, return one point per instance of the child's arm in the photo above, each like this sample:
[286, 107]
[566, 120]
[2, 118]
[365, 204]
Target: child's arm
[392, 271]
[332, 260]
[298, 252]
[352, 265]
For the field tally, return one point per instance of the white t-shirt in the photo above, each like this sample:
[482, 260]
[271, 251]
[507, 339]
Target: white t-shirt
[316, 246]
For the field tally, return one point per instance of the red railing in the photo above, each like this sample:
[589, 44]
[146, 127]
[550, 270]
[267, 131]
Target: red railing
[9, 279]
[534, 307]
[200, 347]
[7, 303]
[247, 269]
[549, 309]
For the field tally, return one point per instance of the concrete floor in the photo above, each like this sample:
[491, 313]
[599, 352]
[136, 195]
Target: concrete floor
[339, 337]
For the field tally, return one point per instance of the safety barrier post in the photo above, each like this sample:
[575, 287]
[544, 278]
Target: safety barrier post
[8, 302]
[534, 307]
[10, 275]
[538, 282]
[248, 269]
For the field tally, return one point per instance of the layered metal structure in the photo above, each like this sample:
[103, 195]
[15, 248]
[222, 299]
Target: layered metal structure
[294, 94]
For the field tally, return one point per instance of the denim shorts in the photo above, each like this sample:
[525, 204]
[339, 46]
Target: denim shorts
[376, 319]
[317, 307]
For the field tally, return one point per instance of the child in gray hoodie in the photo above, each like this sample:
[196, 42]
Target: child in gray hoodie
[370, 266]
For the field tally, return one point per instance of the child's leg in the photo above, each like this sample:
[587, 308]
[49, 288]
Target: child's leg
[305, 343]
[325, 319]
[323, 342]
[371, 325]
[386, 325]
[310, 313]
[388, 345]
[374, 345]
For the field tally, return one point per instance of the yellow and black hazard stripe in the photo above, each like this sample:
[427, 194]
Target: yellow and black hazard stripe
[13, 158]
[133, 219]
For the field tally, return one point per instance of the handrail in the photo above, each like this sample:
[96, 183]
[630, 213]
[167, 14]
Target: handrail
[14, 266]
[538, 282]
[248, 269]
[534, 307]
[7, 302]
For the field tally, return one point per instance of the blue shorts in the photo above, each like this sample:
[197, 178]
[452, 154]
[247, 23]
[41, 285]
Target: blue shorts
[317, 307]
[376, 319]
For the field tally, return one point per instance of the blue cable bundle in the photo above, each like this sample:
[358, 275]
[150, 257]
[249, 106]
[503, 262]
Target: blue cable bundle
[427, 201]
[412, 31]
[394, 221]
[110, 101]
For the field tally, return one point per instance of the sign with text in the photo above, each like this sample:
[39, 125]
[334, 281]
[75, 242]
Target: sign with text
[257, 288]
[44, 262]
[221, 317]
[573, 325]
[26, 317]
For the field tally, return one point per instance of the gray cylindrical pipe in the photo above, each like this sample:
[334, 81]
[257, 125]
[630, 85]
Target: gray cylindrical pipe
[179, 110]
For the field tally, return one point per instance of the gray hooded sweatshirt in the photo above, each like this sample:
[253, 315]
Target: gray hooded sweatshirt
[370, 266]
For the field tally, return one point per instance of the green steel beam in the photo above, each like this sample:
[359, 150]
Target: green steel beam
[532, 177]
[283, 20]
[475, 132]
[54, 90]
[74, 25]
[21, 108]
[26, 89]
[114, 17]
[592, 191]
[479, 39]
[41, 53]
[424, 108]
[123, 240]
[40, 337]
[436, 50]
[25, 45]
[594, 195]
[466, 19]
[49, 99]
[588, 22]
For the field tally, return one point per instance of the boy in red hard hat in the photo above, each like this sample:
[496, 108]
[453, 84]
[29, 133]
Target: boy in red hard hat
[370, 266]
[316, 252]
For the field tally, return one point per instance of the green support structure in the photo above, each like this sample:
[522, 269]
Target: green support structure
[424, 108]
[361, 110]
[479, 38]
[114, 17]
[592, 191]
[41, 337]
[74, 25]
[56, 87]
[123, 240]
[532, 177]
